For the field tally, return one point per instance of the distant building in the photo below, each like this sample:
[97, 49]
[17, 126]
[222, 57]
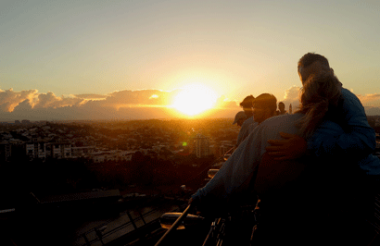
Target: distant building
[85, 151]
[112, 155]
[201, 146]
[36, 149]
[58, 150]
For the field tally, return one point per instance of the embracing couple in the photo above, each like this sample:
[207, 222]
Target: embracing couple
[322, 155]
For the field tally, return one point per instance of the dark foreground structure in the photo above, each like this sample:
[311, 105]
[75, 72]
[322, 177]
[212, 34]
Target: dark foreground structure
[107, 218]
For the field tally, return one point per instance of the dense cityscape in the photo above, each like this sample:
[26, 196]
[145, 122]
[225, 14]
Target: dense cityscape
[110, 140]
[44, 162]
[114, 147]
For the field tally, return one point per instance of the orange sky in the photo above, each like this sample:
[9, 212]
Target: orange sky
[75, 55]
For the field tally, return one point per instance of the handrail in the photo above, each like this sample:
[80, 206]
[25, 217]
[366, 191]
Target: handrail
[175, 225]
[118, 228]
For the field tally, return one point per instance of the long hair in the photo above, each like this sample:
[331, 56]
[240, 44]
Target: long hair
[321, 97]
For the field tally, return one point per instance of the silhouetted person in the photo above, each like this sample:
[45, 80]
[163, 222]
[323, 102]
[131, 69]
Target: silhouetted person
[240, 117]
[264, 107]
[281, 109]
[246, 104]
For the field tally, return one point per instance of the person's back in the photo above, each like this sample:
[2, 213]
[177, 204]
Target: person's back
[239, 168]
[299, 197]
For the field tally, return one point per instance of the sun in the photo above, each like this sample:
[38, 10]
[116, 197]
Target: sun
[194, 99]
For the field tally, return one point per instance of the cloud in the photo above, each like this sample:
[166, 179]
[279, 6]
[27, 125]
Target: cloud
[90, 96]
[49, 100]
[9, 99]
[23, 106]
[225, 103]
[142, 98]
[126, 104]
[153, 96]
[292, 96]
[369, 97]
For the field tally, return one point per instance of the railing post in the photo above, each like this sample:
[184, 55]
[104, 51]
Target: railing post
[86, 240]
[131, 219]
[141, 216]
[100, 236]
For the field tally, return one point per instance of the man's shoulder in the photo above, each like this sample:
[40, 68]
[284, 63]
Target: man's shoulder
[283, 118]
[281, 121]
[271, 127]
[248, 122]
[350, 99]
[348, 95]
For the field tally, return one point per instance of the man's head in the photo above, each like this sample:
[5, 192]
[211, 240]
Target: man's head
[264, 107]
[281, 107]
[312, 63]
[246, 104]
[240, 117]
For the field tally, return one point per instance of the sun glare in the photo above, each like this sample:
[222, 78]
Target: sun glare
[194, 99]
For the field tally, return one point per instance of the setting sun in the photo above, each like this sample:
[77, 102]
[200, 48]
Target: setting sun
[194, 99]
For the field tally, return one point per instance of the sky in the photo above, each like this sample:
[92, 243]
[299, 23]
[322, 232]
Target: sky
[67, 60]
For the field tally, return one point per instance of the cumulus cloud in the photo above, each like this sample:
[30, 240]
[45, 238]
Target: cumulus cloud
[124, 104]
[369, 97]
[129, 98]
[9, 99]
[49, 100]
[292, 96]
[226, 103]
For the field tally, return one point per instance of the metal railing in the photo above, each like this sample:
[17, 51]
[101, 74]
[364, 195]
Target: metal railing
[98, 231]
[97, 235]
[174, 226]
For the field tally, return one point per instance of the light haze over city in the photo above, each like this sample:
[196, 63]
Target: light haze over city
[68, 60]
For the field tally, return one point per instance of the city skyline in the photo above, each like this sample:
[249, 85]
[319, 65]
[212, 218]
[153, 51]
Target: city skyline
[133, 59]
